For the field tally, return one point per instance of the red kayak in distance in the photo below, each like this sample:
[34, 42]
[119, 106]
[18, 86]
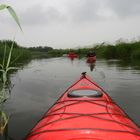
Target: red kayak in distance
[91, 59]
[85, 112]
[72, 55]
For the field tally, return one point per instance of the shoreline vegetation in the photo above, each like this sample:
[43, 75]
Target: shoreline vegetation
[21, 54]
[122, 50]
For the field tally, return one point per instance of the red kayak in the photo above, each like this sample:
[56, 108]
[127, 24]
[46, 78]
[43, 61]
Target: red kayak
[85, 112]
[91, 59]
[73, 55]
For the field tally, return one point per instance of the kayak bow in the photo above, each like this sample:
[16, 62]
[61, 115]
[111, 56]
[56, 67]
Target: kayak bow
[85, 112]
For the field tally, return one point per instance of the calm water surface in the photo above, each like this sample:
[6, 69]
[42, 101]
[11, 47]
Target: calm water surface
[38, 85]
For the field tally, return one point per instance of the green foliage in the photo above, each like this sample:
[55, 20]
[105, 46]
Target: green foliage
[3, 121]
[121, 50]
[3, 6]
[56, 53]
[110, 51]
[6, 59]
[4, 69]
[6, 56]
[100, 49]
[124, 50]
[136, 54]
[19, 54]
[12, 13]
[9, 56]
[82, 51]
[61, 52]
[8, 43]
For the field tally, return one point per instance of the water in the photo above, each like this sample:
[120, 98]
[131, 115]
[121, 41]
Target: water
[38, 85]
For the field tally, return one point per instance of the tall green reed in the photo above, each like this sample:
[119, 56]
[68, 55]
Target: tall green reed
[12, 13]
[4, 69]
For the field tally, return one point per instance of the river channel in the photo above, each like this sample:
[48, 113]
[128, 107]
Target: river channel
[39, 84]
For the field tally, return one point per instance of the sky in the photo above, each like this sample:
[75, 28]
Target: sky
[71, 23]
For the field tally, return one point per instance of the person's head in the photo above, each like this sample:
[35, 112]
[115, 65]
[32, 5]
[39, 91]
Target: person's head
[92, 49]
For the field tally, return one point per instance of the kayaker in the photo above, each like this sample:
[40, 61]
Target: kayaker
[91, 53]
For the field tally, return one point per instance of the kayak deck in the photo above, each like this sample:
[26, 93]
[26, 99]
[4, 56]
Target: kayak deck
[92, 115]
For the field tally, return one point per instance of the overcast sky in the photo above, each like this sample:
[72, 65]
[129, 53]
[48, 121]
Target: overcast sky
[71, 23]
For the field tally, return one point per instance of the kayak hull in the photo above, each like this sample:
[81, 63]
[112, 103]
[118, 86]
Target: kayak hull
[85, 112]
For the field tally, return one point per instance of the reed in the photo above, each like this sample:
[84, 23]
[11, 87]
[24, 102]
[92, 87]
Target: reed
[3, 121]
[4, 69]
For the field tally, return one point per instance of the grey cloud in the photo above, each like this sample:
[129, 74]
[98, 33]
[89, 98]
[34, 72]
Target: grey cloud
[88, 10]
[37, 14]
[75, 11]
[78, 11]
[125, 8]
[84, 10]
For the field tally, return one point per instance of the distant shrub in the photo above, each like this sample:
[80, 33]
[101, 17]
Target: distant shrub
[124, 50]
[136, 54]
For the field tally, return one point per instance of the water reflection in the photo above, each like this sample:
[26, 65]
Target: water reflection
[41, 83]
[5, 92]
[91, 65]
[91, 62]
[6, 87]
[123, 64]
